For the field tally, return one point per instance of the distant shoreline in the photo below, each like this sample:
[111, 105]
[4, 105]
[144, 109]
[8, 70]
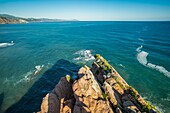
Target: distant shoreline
[9, 19]
[87, 21]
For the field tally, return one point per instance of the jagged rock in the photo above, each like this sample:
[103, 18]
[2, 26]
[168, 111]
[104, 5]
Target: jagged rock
[98, 72]
[44, 105]
[125, 98]
[132, 99]
[115, 85]
[118, 110]
[97, 90]
[61, 99]
[128, 103]
[152, 111]
[108, 90]
[132, 109]
[88, 94]
[95, 68]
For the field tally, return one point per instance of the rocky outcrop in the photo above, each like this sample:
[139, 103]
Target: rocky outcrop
[9, 19]
[88, 94]
[4, 20]
[99, 89]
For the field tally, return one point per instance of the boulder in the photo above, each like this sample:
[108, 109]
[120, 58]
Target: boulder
[60, 100]
[88, 94]
[97, 90]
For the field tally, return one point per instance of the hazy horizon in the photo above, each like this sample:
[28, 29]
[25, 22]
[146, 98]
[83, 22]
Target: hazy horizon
[117, 10]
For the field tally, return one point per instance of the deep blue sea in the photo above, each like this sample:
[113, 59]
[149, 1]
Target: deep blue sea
[139, 51]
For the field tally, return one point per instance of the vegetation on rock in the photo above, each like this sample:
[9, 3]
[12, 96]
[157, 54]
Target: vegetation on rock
[69, 79]
[147, 106]
[99, 89]
[108, 68]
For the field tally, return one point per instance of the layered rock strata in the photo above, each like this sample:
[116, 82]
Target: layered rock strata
[97, 90]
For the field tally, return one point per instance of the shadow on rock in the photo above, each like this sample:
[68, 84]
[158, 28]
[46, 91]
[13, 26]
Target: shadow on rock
[31, 101]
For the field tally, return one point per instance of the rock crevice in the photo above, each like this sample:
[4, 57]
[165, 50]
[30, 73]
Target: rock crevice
[97, 90]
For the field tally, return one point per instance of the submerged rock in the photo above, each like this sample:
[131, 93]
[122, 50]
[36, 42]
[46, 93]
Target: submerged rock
[99, 89]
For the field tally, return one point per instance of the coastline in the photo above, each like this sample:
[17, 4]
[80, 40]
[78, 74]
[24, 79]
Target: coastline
[99, 89]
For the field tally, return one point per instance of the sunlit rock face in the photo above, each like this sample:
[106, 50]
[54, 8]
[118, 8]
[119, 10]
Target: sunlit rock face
[99, 89]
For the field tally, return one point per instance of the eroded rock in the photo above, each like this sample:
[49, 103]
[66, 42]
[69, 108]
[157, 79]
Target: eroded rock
[97, 90]
[88, 94]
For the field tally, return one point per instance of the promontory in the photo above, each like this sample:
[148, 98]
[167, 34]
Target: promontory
[99, 89]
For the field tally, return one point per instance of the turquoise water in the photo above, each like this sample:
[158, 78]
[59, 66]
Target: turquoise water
[139, 51]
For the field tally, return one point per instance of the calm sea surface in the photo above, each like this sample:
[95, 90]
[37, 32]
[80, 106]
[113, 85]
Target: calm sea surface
[139, 51]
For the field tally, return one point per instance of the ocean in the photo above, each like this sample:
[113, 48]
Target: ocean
[34, 56]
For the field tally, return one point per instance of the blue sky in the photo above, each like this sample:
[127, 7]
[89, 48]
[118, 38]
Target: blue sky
[89, 9]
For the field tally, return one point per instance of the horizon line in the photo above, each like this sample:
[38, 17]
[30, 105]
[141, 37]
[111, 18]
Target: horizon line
[156, 20]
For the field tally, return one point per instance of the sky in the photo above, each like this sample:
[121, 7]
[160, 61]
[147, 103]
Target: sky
[89, 10]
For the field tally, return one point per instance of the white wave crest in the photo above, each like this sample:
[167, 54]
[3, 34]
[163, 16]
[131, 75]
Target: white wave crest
[142, 58]
[24, 78]
[139, 49]
[29, 75]
[38, 68]
[159, 68]
[84, 55]
[6, 44]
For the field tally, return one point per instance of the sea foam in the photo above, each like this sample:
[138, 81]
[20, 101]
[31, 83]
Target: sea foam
[27, 77]
[84, 55]
[24, 78]
[38, 68]
[142, 58]
[6, 44]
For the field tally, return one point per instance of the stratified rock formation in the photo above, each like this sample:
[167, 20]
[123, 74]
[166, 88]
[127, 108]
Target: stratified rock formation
[97, 90]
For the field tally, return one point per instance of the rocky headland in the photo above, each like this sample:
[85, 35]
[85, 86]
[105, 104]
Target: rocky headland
[99, 89]
[9, 19]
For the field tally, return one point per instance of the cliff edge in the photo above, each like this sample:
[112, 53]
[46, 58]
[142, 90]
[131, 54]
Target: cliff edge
[98, 90]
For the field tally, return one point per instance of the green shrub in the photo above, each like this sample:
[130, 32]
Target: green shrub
[97, 56]
[145, 108]
[117, 80]
[148, 107]
[69, 79]
[85, 67]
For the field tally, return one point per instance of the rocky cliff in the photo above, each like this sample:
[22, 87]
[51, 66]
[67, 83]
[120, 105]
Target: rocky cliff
[9, 19]
[98, 90]
[5, 20]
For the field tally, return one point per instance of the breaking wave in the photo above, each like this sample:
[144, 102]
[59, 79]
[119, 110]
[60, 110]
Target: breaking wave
[142, 58]
[84, 56]
[30, 75]
[25, 78]
[38, 68]
[6, 44]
